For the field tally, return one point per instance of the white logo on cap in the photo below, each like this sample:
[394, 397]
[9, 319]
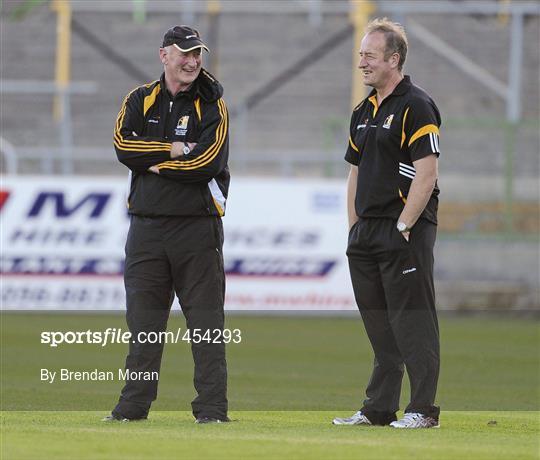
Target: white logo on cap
[190, 36]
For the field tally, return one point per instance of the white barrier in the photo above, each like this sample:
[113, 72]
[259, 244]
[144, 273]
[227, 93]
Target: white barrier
[63, 244]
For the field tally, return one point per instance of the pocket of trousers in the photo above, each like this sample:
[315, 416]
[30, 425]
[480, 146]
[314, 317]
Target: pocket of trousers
[407, 241]
[351, 230]
[217, 231]
[401, 237]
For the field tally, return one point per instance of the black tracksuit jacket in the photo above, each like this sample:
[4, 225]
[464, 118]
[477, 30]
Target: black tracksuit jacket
[149, 121]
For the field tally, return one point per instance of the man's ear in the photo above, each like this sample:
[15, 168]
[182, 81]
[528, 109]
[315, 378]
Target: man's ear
[394, 60]
[163, 55]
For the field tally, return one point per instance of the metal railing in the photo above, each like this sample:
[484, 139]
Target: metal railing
[64, 124]
[8, 152]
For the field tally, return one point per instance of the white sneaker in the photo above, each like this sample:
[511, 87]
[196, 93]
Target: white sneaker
[356, 419]
[415, 420]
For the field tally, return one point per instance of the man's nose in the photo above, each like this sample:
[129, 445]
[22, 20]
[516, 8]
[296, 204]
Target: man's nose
[362, 62]
[192, 60]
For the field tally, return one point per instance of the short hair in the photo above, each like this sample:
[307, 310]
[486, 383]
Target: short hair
[394, 34]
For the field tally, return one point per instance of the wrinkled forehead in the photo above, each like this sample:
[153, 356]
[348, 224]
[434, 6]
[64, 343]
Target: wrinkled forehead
[374, 42]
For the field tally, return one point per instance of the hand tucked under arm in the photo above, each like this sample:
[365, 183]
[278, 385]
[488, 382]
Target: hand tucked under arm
[209, 157]
[177, 150]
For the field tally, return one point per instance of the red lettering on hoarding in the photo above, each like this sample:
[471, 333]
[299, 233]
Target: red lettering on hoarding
[4, 195]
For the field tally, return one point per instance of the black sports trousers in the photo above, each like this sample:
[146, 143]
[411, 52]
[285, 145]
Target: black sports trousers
[393, 286]
[167, 256]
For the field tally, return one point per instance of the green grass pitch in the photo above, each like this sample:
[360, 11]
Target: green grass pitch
[265, 435]
[287, 379]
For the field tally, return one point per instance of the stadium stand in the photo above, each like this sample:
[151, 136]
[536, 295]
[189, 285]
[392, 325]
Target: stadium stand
[307, 115]
[301, 128]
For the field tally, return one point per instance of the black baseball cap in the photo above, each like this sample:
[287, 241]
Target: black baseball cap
[184, 38]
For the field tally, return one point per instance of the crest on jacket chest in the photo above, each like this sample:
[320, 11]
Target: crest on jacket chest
[181, 126]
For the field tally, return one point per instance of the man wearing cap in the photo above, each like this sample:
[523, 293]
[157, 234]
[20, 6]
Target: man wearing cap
[173, 136]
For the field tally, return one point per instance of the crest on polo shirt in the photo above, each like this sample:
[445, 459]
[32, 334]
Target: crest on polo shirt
[388, 121]
[363, 125]
[181, 126]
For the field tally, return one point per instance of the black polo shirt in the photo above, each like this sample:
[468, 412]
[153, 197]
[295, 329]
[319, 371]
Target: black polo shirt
[384, 141]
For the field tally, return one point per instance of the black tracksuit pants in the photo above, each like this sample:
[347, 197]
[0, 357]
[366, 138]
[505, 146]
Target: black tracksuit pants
[393, 287]
[182, 256]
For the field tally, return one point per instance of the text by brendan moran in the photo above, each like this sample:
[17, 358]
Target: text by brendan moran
[96, 375]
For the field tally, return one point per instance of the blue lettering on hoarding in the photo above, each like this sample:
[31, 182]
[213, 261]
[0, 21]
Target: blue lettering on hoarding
[269, 238]
[270, 267]
[326, 202]
[267, 267]
[96, 203]
[54, 265]
[50, 236]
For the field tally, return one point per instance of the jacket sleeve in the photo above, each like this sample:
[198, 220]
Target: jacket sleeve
[210, 155]
[137, 152]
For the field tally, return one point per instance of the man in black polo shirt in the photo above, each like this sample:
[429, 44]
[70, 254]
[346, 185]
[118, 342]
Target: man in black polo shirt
[392, 208]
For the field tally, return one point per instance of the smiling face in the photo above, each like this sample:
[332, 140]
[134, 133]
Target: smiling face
[181, 68]
[377, 70]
